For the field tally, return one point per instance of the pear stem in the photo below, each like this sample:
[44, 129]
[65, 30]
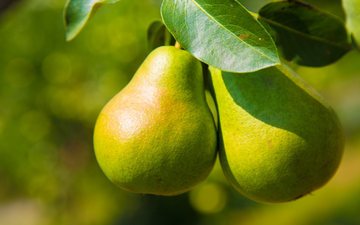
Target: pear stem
[177, 45]
[255, 15]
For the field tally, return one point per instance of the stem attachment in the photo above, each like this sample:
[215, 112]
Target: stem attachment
[177, 45]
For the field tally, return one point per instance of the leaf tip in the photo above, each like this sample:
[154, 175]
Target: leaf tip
[69, 36]
[77, 13]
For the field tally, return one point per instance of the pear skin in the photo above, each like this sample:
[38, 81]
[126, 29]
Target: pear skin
[279, 139]
[157, 136]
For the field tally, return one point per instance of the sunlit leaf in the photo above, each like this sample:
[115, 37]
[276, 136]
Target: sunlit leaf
[78, 12]
[221, 33]
[352, 9]
[305, 34]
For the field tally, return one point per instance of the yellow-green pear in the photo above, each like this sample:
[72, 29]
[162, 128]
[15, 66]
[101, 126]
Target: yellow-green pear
[279, 140]
[157, 136]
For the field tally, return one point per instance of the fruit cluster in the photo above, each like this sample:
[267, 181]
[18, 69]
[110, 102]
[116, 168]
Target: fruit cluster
[277, 140]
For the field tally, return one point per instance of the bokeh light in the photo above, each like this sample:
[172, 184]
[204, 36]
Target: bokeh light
[208, 198]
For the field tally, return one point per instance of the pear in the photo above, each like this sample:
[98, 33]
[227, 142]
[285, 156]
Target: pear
[279, 139]
[157, 136]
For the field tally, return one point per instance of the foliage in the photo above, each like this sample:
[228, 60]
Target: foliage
[224, 34]
[78, 12]
[220, 33]
[305, 34]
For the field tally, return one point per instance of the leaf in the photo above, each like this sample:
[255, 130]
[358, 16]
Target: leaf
[355, 45]
[304, 34]
[352, 9]
[158, 35]
[221, 33]
[78, 12]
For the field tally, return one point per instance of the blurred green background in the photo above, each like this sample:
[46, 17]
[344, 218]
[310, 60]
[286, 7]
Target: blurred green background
[51, 92]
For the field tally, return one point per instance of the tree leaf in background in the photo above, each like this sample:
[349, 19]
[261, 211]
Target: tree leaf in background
[6, 4]
[221, 33]
[78, 12]
[158, 35]
[306, 35]
[352, 10]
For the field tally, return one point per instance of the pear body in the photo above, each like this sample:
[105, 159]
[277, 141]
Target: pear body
[157, 136]
[279, 141]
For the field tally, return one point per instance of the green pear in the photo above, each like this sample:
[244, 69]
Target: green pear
[279, 139]
[157, 136]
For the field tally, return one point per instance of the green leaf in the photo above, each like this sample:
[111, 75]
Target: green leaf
[304, 34]
[158, 35]
[221, 33]
[352, 9]
[78, 12]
